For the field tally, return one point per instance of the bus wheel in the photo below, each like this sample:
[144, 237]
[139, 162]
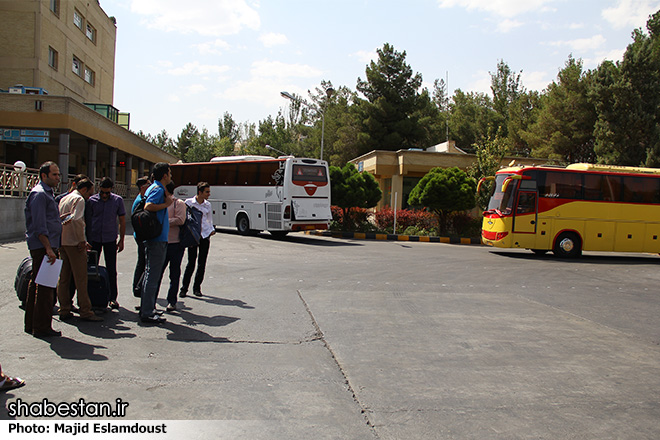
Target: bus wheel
[278, 234]
[243, 224]
[568, 245]
[539, 251]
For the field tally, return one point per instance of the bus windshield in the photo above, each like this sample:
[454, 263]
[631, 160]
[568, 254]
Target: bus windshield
[501, 201]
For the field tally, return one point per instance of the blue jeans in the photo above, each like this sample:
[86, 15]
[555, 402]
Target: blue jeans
[156, 252]
[173, 258]
[139, 267]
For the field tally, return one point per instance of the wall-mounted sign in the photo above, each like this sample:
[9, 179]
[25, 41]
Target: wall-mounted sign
[17, 135]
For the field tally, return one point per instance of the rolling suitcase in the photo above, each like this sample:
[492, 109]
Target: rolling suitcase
[22, 279]
[98, 282]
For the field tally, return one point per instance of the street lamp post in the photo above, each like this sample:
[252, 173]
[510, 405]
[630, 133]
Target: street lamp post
[328, 92]
[268, 147]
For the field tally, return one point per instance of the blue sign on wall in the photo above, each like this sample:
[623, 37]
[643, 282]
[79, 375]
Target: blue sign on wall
[33, 136]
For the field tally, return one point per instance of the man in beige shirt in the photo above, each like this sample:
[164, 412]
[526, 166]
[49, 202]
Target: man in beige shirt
[74, 253]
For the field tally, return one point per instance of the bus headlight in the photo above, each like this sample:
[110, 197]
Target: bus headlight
[287, 212]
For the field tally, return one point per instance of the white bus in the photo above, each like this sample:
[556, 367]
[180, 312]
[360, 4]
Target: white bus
[261, 193]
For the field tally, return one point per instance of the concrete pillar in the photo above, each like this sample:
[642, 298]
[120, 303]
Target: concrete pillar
[113, 163]
[397, 188]
[91, 162]
[63, 159]
[383, 185]
[129, 170]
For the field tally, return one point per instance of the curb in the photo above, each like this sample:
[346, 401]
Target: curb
[395, 237]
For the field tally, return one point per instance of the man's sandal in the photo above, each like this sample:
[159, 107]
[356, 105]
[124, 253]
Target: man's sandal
[10, 383]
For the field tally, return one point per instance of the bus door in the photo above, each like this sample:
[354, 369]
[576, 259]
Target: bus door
[525, 213]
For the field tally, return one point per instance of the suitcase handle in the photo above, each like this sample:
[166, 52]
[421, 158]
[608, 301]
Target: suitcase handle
[95, 262]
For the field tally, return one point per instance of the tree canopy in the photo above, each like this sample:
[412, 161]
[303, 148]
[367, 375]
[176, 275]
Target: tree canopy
[443, 191]
[352, 189]
[608, 115]
[389, 119]
[565, 124]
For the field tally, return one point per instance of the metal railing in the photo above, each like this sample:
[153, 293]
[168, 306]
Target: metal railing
[17, 183]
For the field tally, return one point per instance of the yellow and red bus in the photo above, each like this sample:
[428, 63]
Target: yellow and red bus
[582, 207]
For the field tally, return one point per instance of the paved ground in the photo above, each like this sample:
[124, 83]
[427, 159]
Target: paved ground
[316, 337]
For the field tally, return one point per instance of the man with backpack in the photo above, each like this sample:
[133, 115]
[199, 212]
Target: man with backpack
[157, 201]
[142, 184]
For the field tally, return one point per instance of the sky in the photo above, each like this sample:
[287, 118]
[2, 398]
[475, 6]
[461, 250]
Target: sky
[180, 62]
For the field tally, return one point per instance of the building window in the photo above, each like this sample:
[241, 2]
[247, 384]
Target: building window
[77, 66]
[52, 58]
[55, 7]
[91, 33]
[89, 76]
[78, 19]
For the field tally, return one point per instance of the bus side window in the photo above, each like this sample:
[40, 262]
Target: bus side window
[207, 173]
[247, 174]
[595, 188]
[639, 189]
[189, 175]
[228, 174]
[614, 187]
[562, 185]
[268, 173]
[656, 191]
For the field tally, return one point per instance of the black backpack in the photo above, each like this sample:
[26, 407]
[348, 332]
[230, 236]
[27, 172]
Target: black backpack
[191, 231]
[145, 223]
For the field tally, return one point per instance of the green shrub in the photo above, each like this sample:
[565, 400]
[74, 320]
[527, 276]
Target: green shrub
[462, 224]
[416, 230]
[351, 220]
[405, 218]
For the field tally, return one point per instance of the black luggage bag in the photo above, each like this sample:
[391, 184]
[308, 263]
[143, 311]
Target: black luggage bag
[22, 279]
[98, 282]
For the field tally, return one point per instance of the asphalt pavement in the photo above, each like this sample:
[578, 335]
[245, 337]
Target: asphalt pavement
[318, 337]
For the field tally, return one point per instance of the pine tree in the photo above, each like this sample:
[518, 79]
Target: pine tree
[392, 92]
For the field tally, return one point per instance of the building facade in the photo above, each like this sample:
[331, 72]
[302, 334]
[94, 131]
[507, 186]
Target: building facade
[398, 172]
[57, 63]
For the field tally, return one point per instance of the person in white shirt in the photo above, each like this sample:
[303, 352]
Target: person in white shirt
[200, 202]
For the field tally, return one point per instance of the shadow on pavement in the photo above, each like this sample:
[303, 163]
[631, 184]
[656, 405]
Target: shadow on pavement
[295, 238]
[221, 301]
[67, 348]
[585, 259]
[112, 326]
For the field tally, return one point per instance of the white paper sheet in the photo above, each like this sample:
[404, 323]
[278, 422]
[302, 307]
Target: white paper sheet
[49, 273]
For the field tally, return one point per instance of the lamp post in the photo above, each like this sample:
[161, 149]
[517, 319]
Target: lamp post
[328, 92]
[268, 147]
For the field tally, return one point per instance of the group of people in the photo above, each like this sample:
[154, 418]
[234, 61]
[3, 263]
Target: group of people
[166, 250]
[68, 227]
[79, 221]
